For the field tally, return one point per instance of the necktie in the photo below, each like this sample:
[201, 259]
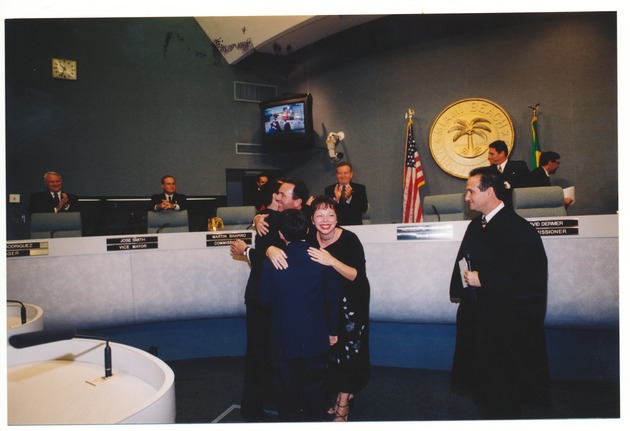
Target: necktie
[484, 222]
[170, 198]
[500, 169]
[56, 199]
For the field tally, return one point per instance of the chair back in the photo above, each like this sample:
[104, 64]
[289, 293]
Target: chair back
[236, 218]
[365, 218]
[56, 225]
[167, 221]
[539, 201]
[449, 207]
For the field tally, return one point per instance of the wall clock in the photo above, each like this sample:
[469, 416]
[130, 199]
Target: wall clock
[64, 69]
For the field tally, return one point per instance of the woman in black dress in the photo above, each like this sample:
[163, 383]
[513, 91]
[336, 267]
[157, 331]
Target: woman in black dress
[349, 368]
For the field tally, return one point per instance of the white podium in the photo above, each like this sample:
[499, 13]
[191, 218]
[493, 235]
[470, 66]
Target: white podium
[63, 383]
[34, 319]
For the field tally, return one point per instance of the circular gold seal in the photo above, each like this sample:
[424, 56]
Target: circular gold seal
[460, 135]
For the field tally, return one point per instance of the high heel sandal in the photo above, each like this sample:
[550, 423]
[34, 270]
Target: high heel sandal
[339, 417]
[333, 409]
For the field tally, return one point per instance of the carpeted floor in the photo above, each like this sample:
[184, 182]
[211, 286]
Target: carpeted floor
[208, 390]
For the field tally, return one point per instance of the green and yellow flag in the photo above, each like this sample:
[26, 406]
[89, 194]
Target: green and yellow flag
[535, 145]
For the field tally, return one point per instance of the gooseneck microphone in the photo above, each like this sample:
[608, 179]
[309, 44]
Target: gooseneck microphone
[436, 212]
[30, 339]
[162, 227]
[22, 310]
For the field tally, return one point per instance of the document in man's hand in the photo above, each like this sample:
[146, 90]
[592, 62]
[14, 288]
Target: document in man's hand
[569, 192]
[463, 266]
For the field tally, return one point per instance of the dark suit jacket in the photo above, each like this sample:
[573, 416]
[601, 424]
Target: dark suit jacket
[500, 341]
[350, 213]
[539, 178]
[178, 198]
[516, 173]
[261, 244]
[42, 202]
[304, 300]
[257, 254]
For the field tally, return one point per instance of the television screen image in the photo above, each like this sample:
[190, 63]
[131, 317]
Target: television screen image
[287, 122]
[285, 118]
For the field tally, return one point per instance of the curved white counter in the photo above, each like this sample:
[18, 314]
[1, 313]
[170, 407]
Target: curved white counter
[179, 276]
[34, 319]
[48, 384]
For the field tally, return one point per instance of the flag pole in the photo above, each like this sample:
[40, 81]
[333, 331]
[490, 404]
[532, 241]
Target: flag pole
[535, 144]
[409, 113]
[409, 117]
[413, 177]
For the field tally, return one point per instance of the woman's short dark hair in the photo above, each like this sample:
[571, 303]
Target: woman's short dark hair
[323, 202]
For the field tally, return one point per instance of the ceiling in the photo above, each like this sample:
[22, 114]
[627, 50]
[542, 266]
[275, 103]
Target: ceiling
[239, 36]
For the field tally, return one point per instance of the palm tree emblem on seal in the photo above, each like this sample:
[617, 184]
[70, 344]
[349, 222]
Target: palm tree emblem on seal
[469, 129]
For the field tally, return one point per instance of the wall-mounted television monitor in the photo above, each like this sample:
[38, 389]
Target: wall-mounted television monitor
[287, 122]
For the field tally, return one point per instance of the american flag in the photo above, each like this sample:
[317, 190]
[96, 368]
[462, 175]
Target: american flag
[413, 180]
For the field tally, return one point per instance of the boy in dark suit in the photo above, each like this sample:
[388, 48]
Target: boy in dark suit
[304, 300]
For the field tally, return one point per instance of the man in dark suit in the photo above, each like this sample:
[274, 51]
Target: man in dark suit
[500, 352]
[304, 300]
[291, 194]
[513, 173]
[351, 198]
[53, 199]
[548, 164]
[258, 369]
[169, 199]
[261, 180]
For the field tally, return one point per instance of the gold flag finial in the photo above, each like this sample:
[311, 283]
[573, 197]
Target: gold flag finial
[534, 109]
[410, 113]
